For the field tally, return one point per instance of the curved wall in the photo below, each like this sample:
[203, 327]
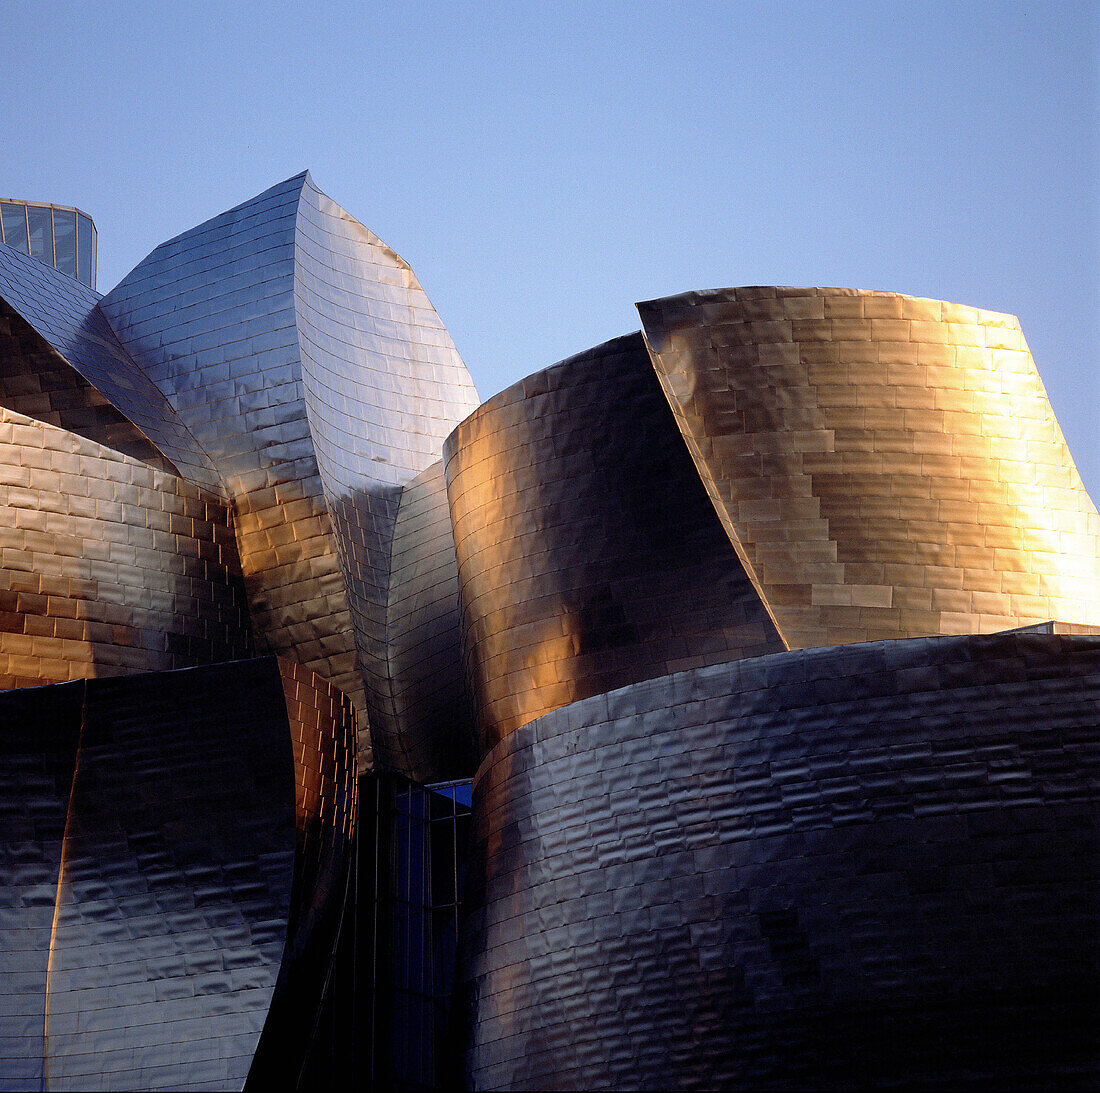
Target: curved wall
[433, 738]
[171, 888]
[588, 554]
[209, 316]
[108, 566]
[886, 466]
[384, 386]
[869, 866]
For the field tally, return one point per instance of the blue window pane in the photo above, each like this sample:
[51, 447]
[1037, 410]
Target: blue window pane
[64, 241]
[15, 226]
[41, 233]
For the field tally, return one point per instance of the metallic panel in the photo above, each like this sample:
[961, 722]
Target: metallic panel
[885, 466]
[868, 866]
[431, 738]
[175, 885]
[108, 566]
[588, 554]
[384, 386]
[36, 381]
[201, 882]
[307, 360]
[38, 742]
[65, 314]
[210, 317]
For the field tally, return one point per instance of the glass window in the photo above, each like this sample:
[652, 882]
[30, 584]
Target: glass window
[40, 223]
[15, 226]
[64, 241]
[85, 250]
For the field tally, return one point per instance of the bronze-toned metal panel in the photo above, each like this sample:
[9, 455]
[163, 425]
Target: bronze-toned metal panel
[885, 466]
[865, 867]
[108, 566]
[588, 554]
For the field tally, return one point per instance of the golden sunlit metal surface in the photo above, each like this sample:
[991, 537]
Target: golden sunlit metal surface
[108, 566]
[885, 466]
[588, 554]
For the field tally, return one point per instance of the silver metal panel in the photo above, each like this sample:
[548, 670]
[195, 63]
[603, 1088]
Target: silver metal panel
[384, 386]
[65, 314]
[870, 866]
[432, 738]
[210, 316]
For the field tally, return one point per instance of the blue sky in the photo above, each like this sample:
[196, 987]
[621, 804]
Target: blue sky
[543, 166]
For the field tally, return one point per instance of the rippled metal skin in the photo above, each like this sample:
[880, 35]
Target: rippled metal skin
[108, 566]
[433, 737]
[199, 871]
[870, 866]
[384, 386]
[885, 466]
[588, 554]
[309, 364]
[66, 317]
[41, 729]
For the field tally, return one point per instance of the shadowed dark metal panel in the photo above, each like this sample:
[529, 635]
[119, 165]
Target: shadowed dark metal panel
[66, 315]
[323, 736]
[588, 553]
[108, 566]
[433, 738]
[886, 466]
[870, 866]
[175, 887]
[39, 730]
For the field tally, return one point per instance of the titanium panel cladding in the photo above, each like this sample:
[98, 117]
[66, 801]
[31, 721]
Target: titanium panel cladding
[588, 553]
[108, 566]
[433, 739]
[176, 851]
[871, 866]
[210, 317]
[67, 318]
[886, 466]
[384, 386]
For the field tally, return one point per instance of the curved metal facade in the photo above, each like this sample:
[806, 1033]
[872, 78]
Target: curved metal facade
[306, 358]
[886, 466]
[433, 738]
[703, 859]
[108, 566]
[858, 867]
[182, 904]
[588, 554]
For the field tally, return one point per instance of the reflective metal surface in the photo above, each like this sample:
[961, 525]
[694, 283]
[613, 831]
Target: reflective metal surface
[886, 466]
[180, 911]
[67, 318]
[871, 866]
[306, 359]
[431, 737]
[108, 566]
[588, 554]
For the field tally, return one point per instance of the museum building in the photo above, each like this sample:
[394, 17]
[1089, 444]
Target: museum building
[716, 708]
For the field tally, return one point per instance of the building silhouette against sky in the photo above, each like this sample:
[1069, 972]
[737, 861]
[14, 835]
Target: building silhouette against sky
[717, 707]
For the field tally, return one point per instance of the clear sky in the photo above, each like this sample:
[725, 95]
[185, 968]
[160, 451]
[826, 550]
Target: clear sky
[544, 165]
